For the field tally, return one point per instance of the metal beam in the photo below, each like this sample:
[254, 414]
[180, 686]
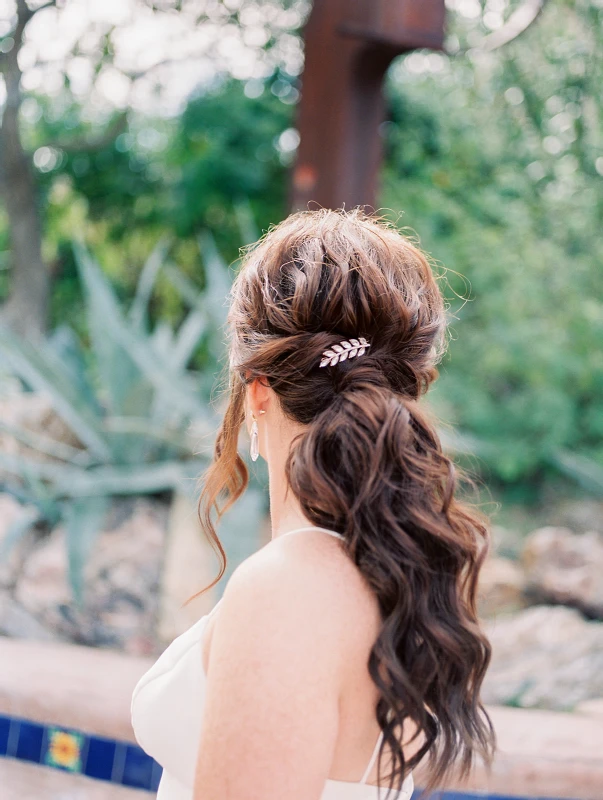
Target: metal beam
[349, 45]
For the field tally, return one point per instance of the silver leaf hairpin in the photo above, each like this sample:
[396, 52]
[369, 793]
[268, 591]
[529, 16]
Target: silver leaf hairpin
[349, 348]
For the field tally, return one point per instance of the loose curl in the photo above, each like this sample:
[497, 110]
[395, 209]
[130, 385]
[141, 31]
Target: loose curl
[369, 463]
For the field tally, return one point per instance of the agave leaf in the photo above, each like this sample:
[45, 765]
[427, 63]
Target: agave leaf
[68, 348]
[28, 468]
[180, 389]
[18, 529]
[36, 485]
[160, 477]
[141, 426]
[187, 340]
[42, 497]
[185, 287]
[162, 340]
[83, 520]
[120, 376]
[146, 283]
[16, 490]
[66, 481]
[46, 445]
[217, 279]
[42, 370]
[31, 491]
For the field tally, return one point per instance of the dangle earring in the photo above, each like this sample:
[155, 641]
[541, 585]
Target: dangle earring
[254, 449]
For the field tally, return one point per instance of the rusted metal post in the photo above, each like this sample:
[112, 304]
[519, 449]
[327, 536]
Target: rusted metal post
[349, 45]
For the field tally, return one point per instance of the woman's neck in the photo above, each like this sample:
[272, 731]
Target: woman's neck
[285, 511]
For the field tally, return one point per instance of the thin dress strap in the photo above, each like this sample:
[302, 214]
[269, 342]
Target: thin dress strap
[314, 528]
[369, 767]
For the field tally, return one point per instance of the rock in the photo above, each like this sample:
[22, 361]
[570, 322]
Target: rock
[565, 567]
[43, 586]
[506, 542]
[121, 584]
[18, 623]
[32, 412]
[501, 587]
[545, 657]
[125, 569]
[581, 515]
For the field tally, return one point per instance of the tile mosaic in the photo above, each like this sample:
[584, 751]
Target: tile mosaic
[156, 776]
[450, 795]
[138, 768]
[115, 761]
[29, 744]
[64, 749]
[13, 737]
[4, 731]
[99, 758]
[119, 762]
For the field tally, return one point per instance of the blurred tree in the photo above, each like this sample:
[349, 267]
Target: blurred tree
[228, 150]
[497, 160]
[495, 157]
[348, 49]
[228, 147]
[97, 51]
[26, 310]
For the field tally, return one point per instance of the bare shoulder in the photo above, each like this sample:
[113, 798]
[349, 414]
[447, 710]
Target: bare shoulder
[279, 661]
[300, 582]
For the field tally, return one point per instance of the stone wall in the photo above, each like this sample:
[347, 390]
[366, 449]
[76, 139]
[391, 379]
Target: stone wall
[122, 582]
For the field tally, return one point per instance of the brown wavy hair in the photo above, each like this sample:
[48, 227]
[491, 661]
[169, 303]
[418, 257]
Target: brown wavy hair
[369, 463]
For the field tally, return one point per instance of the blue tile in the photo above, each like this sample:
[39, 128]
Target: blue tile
[156, 776]
[509, 797]
[138, 768]
[4, 730]
[99, 759]
[116, 761]
[121, 749]
[476, 795]
[13, 736]
[29, 743]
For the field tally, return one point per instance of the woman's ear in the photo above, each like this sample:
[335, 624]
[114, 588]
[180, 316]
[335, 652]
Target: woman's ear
[258, 396]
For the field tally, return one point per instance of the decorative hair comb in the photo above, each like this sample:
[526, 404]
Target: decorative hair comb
[349, 348]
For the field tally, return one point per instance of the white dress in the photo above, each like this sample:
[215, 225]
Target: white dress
[167, 705]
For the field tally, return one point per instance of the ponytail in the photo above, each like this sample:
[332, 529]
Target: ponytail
[371, 466]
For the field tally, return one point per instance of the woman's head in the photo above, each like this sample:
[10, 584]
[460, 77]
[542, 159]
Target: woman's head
[322, 276]
[366, 460]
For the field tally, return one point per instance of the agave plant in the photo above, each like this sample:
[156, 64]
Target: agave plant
[136, 408]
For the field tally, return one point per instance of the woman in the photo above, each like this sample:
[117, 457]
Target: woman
[347, 648]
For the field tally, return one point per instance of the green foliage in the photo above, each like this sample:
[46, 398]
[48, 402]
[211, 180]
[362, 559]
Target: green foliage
[493, 158]
[161, 177]
[225, 151]
[132, 402]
